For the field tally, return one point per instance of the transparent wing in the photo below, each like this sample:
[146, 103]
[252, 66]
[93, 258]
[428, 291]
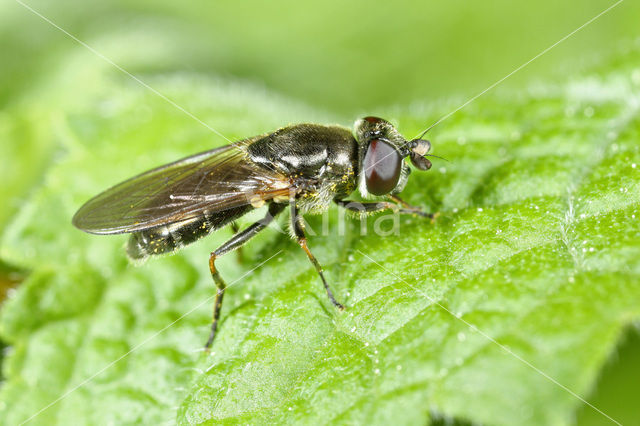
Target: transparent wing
[208, 182]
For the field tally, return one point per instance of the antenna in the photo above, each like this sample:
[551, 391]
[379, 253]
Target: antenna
[433, 125]
[442, 158]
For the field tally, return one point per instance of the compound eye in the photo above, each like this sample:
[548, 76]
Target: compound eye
[382, 165]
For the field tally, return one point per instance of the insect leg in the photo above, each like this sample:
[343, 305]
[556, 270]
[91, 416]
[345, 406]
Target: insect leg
[233, 243]
[410, 208]
[372, 207]
[235, 229]
[366, 208]
[298, 228]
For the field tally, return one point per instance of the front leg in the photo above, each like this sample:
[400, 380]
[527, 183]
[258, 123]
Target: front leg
[372, 207]
[409, 209]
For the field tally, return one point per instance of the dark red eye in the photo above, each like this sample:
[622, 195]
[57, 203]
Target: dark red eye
[381, 166]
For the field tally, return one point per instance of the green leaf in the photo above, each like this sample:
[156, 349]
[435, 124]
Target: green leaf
[536, 248]
[615, 392]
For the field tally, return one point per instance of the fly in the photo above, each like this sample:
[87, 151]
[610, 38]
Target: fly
[303, 167]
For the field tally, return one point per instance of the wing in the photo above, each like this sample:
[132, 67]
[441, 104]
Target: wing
[208, 182]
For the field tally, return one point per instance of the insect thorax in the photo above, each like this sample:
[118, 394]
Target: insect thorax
[319, 160]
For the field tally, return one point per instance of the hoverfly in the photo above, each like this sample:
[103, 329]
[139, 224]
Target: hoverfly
[304, 167]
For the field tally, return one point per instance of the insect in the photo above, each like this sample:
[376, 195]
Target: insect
[303, 167]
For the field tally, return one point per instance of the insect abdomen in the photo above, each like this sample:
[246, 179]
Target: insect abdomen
[168, 238]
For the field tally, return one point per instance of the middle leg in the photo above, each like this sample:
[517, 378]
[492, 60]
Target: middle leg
[298, 228]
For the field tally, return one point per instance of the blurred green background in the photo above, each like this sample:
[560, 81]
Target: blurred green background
[345, 58]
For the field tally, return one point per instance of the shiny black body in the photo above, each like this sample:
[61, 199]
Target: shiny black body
[304, 167]
[317, 161]
[167, 238]
[310, 152]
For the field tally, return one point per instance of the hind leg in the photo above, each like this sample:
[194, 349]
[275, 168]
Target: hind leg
[235, 229]
[234, 242]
